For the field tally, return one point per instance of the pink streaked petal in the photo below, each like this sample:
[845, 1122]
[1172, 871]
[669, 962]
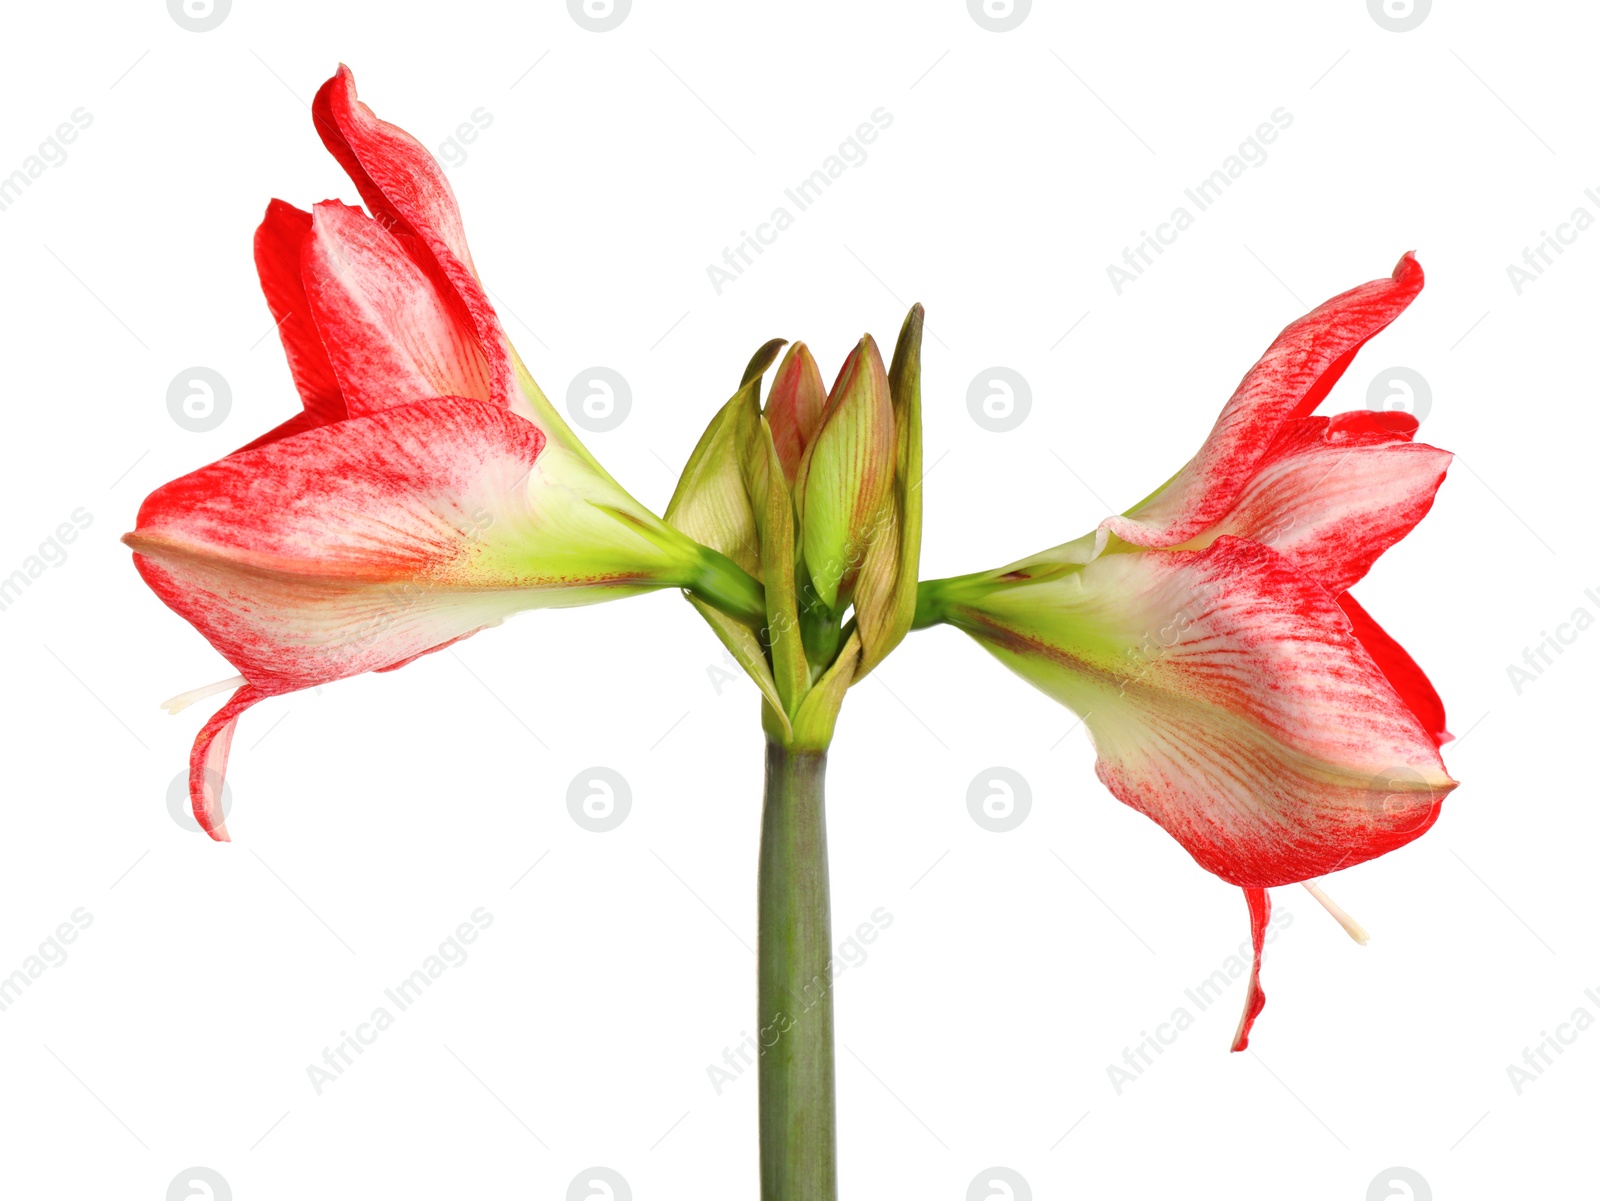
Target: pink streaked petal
[1332, 495]
[1290, 380]
[279, 238]
[392, 336]
[208, 760]
[348, 548]
[1254, 999]
[1400, 669]
[1229, 702]
[405, 189]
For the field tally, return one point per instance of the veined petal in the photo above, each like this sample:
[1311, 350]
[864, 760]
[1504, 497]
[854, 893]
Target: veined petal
[359, 546]
[1291, 379]
[1228, 701]
[1332, 494]
[278, 243]
[711, 503]
[391, 335]
[405, 189]
[1400, 669]
[1260, 906]
[298, 424]
[208, 759]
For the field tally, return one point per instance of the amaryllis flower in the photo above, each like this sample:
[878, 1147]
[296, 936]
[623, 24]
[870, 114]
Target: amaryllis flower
[426, 490]
[1235, 692]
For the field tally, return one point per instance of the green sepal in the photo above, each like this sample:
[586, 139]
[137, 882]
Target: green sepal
[762, 359]
[710, 503]
[886, 593]
[769, 492]
[846, 478]
[813, 723]
[745, 647]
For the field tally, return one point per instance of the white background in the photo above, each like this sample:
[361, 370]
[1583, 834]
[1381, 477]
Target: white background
[372, 816]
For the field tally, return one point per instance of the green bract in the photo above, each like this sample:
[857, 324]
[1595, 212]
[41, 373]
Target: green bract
[817, 496]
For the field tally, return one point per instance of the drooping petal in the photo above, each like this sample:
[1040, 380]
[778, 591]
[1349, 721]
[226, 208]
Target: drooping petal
[1254, 999]
[208, 760]
[279, 239]
[1290, 380]
[1332, 494]
[1228, 701]
[358, 546]
[405, 189]
[1400, 669]
[392, 335]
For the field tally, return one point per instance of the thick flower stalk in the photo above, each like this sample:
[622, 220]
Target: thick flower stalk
[1235, 691]
[427, 488]
[817, 493]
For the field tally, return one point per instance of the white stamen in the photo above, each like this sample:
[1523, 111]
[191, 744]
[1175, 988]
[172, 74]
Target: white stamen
[1351, 926]
[184, 699]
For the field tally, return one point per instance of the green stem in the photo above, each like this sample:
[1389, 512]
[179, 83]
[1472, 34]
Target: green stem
[724, 585]
[930, 604]
[794, 986]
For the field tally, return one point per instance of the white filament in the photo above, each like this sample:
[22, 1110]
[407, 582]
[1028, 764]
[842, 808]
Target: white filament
[1351, 926]
[184, 699]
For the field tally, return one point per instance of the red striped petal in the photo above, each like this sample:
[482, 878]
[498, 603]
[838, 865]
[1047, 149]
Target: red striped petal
[1229, 702]
[279, 238]
[1332, 494]
[392, 336]
[208, 760]
[1400, 669]
[350, 547]
[405, 189]
[1254, 999]
[1290, 380]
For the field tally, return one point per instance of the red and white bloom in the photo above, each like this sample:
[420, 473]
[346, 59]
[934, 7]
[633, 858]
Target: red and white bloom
[427, 488]
[1236, 693]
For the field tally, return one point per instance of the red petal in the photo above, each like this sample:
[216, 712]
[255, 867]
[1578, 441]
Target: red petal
[277, 248]
[1229, 702]
[393, 337]
[407, 192]
[1400, 669]
[351, 547]
[297, 424]
[208, 760]
[1331, 495]
[1291, 379]
[1254, 999]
